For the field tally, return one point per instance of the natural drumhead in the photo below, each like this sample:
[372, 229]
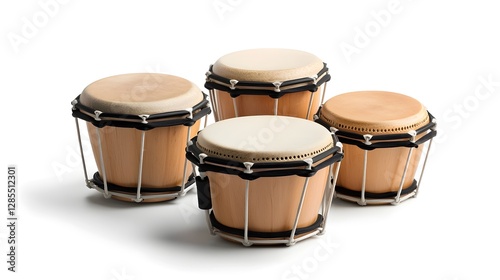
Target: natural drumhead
[376, 112]
[141, 93]
[264, 139]
[267, 65]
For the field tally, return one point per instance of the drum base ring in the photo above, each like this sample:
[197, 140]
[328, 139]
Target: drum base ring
[265, 238]
[148, 194]
[376, 198]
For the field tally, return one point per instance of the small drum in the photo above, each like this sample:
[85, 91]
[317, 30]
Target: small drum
[139, 125]
[267, 82]
[383, 135]
[265, 179]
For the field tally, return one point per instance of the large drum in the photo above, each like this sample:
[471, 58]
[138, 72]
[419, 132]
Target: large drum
[139, 125]
[267, 82]
[384, 135]
[265, 179]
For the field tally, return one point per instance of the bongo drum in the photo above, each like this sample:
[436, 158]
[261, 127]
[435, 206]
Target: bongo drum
[267, 82]
[384, 135]
[139, 125]
[265, 179]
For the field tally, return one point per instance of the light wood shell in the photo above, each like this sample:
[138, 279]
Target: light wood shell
[292, 104]
[273, 202]
[164, 155]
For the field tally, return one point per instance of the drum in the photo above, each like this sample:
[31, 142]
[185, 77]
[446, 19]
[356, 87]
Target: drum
[267, 82]
[384, 135]
[139, 125]
[265, 179]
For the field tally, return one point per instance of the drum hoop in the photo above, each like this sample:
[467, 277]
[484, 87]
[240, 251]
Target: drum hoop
[386, 140]
[273, 89]
[258, 234]
[186, 117]
[97, 180]
[371, 195]
[301, 168]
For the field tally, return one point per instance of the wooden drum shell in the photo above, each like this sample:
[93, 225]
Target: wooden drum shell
[273, 202]
[293, 104]
[164, 155]
[384, 170]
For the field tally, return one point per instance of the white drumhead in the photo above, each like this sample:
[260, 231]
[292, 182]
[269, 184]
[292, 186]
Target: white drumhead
[267, 65]
[264, 139]
[141, 93]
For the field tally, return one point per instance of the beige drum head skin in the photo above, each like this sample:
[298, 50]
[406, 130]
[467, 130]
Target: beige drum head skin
[264, 139]
[141, 93]
[267, 65]
[374, 112]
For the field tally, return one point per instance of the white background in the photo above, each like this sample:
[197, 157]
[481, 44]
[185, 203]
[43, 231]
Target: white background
[436, 51]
